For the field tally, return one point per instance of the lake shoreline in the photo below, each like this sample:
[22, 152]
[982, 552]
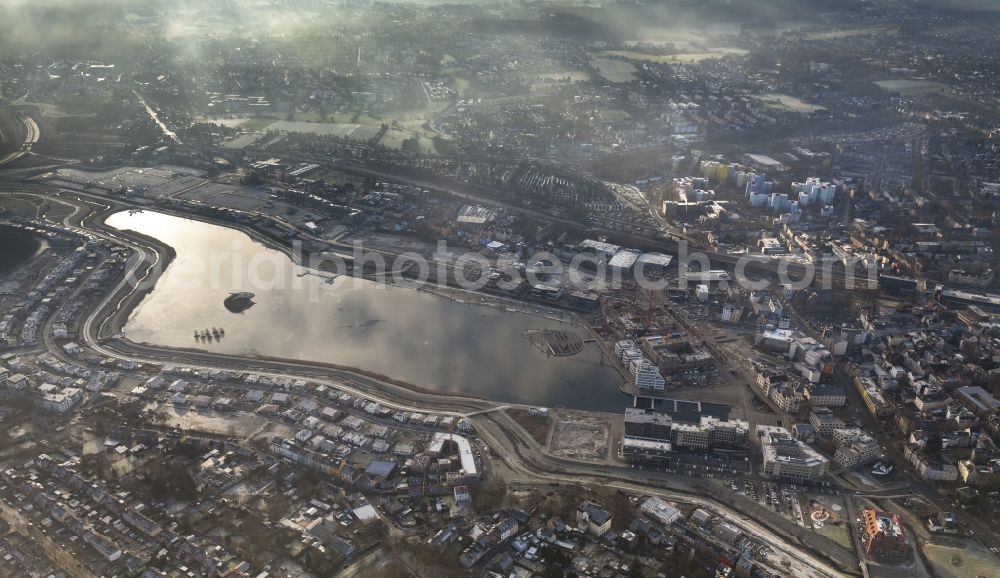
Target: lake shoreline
[492, 321]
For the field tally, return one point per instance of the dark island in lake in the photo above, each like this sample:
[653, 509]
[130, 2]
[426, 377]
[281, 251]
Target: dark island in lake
[239, 302]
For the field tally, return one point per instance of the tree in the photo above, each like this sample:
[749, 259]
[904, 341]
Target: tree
[567, 500]
[425, 560]
[618, 506]
[252, 178]
[411, 145]
[934, 444]
[367, 532]
[489, 495]
[319, 563]
[970, 350]
[170, 479]
[556, 563]
[393, 568]
[101, 426]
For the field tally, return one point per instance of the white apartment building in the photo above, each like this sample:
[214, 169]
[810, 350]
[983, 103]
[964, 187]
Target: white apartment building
[647, 376]
[824, 422]
[63, 401]
[857, 454]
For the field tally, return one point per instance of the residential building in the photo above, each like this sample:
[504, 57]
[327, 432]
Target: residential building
[884, 537]
[929, 467]
[825, 396]
[647, 376]
[63, 401]
[593, 519]
[824, 422]
[980, 475]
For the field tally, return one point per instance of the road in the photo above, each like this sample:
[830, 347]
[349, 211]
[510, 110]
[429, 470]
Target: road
[852, 516]
[146, 263]
[31, 135]
[156, 119]
[517, 452]
[522, 458]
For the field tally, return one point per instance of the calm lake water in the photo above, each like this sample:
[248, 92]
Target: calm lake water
[16, 247]
[421, 338]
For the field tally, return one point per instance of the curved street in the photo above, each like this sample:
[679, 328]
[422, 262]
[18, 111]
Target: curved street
[31, 135]
[517, 451]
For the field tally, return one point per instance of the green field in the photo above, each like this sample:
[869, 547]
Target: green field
[904, 87]
[394, 139]
[849, 32]
[243, 123]
[462, 84]
[959, 557]
[680, 57]
[614, 70]
[988, 5]
[786, 102]
[338, 118]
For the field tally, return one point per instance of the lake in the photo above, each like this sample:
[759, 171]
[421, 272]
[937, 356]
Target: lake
[414, 336]
[18, 247]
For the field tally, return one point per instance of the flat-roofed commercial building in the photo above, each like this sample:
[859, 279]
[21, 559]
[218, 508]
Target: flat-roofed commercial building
[692, 436]
[824, 422]
[785, 457]
[858, 453]
[647, 424]
[623, 260]
[647, 436]
[652, 263]
[600, 248]
[826, 396]
[646, 451]
[660, 511]
[977, 399]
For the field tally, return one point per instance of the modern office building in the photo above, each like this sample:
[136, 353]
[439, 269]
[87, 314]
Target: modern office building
[647, 424]
[858, 452]
[784, 457]
[652, 435]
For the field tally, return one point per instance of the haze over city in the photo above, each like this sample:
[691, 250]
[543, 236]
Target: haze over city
[498, 289]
